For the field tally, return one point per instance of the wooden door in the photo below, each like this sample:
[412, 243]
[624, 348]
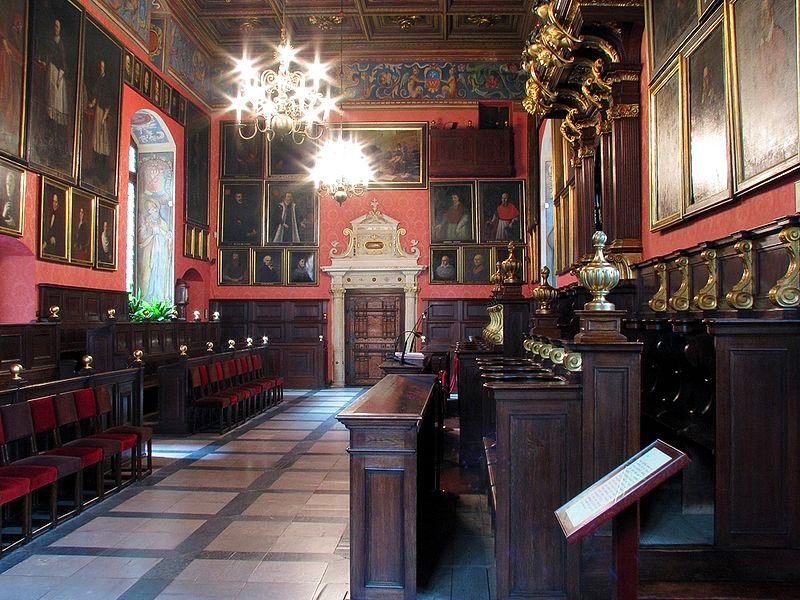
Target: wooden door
[373, 321]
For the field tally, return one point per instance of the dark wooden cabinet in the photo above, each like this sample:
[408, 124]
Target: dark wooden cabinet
[472, 152]
[450, 321]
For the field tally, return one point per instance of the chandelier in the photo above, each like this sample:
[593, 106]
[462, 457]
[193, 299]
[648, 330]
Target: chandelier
[341, 169]
[283, 99]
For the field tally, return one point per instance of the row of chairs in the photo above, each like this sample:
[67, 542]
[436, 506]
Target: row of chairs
[230, 391]
[59, 454]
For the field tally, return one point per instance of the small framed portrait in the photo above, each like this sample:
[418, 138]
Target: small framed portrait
[292, 213]
[182, 110]
[478, 266]
[106, 236]
[501, 209]
[189, 235]
[303, 266]
[268, 266]
[136, 81]
[155, 96]
[234, 266]
[81, 227]
[452, 210]
[166, 98]
[147, 81]
[241, 213]
[201, 244]
[444, 264]
[241, 157]
[174, 104]
[289, 160]
[54, 220]
[12, 198]
[127, 67]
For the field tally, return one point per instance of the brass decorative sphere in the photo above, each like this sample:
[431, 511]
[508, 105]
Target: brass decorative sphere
[87, 361]
[249, 342]
[231, 344]
[111, 314]
[16, 370]
[209, 346]
[55, 311]
[137, 356]
[183, 349]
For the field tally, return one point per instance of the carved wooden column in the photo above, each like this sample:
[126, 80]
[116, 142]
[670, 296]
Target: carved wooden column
[584, 188]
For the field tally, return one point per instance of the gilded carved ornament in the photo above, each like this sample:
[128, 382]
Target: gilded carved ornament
[786, 292]
[706, 298]
[573, 361]
[680, 299]
[493, 332]
[557, 355]
[623, 111]
[741, 295]
[658, 302]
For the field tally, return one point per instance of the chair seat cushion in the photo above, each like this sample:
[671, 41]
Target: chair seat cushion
[212, 402]
[128, 440]
[88, 456]
[108, 446]
[66, 465]
[142, 432]
[12, 488]
[38, 476]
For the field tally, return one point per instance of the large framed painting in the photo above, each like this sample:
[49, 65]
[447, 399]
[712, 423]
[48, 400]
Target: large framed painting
[501, 210]
[81, 227]
[268, 266]
[52, 109]
[53, 225]
[766, 125]
[197, 132]
[478, 266]
[452, 211]
[303, 266]
[292, 213]
[666, 150]
[709, 149]
[241, 157]
[106, 241]
[12, 198]
[13, 42]
[290, 160]
[102, 83]
[444, 264]
[234, 266]
[241, 213]
[397, 152]
[669, 22]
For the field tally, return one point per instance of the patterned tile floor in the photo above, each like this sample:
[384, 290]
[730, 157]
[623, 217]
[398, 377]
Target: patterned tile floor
[261, 512]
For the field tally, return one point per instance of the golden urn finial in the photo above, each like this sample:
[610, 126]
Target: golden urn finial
[137, 356]
[55, 311]
[231, 344]
[544, 293]
[183, 349]
[111, 314]
[599, 276]
[16, 370]
[510, 267]
[209, 346]
[88, 361]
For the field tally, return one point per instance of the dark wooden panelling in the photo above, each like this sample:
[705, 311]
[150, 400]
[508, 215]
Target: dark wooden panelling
[385, 514]
[472, 152]
[267, 311]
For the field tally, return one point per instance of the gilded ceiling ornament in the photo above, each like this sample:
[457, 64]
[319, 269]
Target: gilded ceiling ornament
[247, 26]
[406, 22]
[482, 21]
[325, 22]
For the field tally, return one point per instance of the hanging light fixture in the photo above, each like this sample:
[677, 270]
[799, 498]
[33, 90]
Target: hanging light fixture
[341, 169]
[284, 99]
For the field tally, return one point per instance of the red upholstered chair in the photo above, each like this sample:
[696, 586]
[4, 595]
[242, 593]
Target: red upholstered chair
[277, 380]
[17, 425]
[86, 406]
[11, 489]
[249, 374]
[233, 382]
[46, 427]
[218, 386]
[144, 435]
[204, 401]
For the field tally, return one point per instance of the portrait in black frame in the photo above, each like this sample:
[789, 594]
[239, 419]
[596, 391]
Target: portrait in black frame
[102, 59]
[106, 236]
[147, 81]
[81, 227]
[268, 266]
[53, 224]
[53, 86]
[13, 41]
[197, 132]
[241, 213]
[292, 213]
[137, 74]
[302, 266]
[241, 157]
[127, 67]
[234, 266]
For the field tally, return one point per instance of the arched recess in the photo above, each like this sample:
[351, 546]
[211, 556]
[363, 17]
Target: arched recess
[151, 218]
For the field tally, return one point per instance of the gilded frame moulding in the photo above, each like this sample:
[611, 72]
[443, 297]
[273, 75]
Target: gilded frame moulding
[740, 295]
[786, 291]
[706, 297]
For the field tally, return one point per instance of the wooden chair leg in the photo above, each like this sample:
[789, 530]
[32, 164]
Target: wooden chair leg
[53, 504]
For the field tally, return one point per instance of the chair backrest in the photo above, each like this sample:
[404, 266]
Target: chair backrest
[17, 421]
[65, 409]
[85, 403]
[257, 363]
[43, 413]
[102, 396]
[229, 368]
[195, 380]
[215, 373]
[241, 366]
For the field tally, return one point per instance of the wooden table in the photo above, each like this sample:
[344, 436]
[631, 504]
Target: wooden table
[392, 474]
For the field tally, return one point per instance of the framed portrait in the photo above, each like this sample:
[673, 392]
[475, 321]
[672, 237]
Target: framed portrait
[106, 236]
[136, 81]
[174, 104]
[196, 151]
[292, 213]
[155, 91]
[444, 264]
[182, 110]
[166, 98]
[501, 210]
[767, 134]
[668, 23]
[709, 148]
[398, 152]
[189, 234]
[12, 198]
[52, 108]
[289, 160]
[666, 150]
[102, 84]
[13, 32]
[127, 67]
[53, 229]
[234, 266]
[201, 244]
[241, 157]
[478, 265]
[147, 81]
[241, 213]
[268, 268]
[303, 266]
[81, 227]
[452, 211]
